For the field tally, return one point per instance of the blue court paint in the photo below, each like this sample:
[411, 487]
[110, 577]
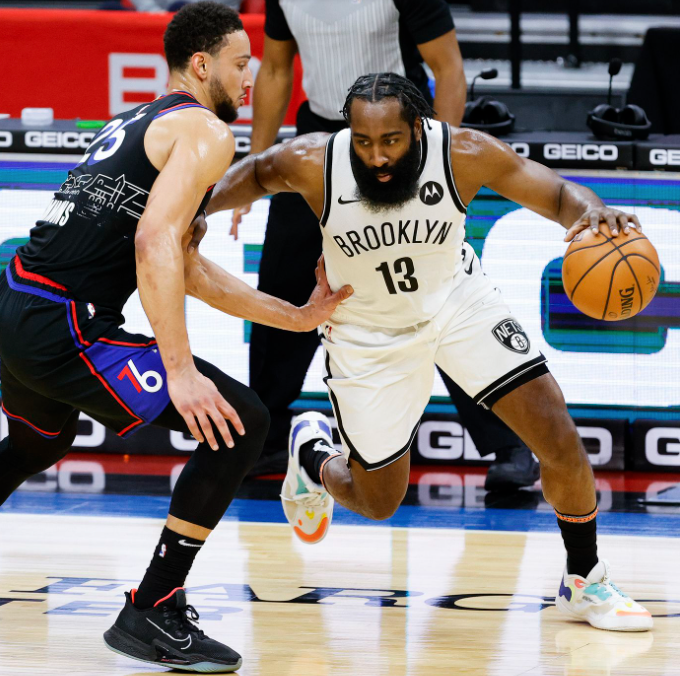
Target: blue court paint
[408, 516]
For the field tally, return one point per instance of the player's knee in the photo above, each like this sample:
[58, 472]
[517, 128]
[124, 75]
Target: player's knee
[565, 450]
[383, 506]
[256, 419]
[381, 511]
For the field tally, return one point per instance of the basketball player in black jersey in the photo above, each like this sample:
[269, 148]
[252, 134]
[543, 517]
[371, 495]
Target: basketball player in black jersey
[121, 221]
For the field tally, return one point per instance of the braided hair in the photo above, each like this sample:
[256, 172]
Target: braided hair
[378, 86]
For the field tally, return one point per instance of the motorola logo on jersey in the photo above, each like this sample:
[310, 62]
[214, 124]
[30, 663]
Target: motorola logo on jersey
[510, 334]
[431, 193]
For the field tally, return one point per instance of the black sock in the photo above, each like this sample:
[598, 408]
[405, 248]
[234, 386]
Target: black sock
[168, 569]
[580, 540]
[312, 460]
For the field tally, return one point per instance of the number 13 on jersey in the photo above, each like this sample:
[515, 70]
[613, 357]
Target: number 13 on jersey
[404, 274]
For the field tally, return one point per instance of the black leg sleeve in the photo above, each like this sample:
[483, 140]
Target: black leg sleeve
[210, 479]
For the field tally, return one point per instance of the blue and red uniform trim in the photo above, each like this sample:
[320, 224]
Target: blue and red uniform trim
[19, 279]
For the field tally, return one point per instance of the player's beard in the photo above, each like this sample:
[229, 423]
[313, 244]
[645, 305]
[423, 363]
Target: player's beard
[224, 105]
[400, 189]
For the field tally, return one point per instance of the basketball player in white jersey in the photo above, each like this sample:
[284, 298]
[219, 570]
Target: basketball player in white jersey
[391, 194]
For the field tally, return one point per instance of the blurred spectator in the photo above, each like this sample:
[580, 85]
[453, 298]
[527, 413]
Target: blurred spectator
[173, 5]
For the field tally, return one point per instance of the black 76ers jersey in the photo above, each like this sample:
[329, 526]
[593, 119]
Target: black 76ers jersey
[85, 239]
[402, 262]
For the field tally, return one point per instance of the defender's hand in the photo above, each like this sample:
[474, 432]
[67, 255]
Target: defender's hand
[198, 402]
[611, 219]
[196, 232]
[236, 217]
[322, 303]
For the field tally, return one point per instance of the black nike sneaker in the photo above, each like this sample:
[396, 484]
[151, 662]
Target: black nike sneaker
[166, 635]
[513, 468]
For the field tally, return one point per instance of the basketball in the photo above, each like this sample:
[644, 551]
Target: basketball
[611, 278]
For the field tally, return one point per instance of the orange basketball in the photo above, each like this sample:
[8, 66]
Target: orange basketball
[611, 278]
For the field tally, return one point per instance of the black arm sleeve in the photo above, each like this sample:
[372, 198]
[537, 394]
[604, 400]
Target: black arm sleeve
[275, 24]
[425, 19]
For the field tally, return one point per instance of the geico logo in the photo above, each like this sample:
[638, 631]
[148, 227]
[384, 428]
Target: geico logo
[439, 489]
[92, 436]
[661, 157]
[580, 151]
[5, 139]
[91, 477]
[58, 139]
[662, 446]
[604, 440]
[522, 149]
[446, 440]
[602, 378]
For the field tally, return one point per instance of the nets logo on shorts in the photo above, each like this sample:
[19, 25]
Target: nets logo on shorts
[431, 193]
[510, 334]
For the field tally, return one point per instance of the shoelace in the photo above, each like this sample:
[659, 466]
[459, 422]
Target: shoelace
[305, 499]
[183, 617]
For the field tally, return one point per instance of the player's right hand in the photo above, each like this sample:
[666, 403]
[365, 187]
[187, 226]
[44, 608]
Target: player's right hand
[322, 303]
[236, 217]
[198, 401]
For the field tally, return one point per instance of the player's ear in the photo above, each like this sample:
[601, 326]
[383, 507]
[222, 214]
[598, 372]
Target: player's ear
[199, 64]
[418, 129]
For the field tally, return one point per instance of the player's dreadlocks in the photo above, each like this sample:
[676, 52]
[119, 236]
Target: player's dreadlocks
[378, 86]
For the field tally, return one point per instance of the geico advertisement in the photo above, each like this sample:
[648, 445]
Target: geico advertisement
[519, 252]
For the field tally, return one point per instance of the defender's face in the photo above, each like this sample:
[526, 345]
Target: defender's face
[380, 135]
[231, 77]
[233, 68]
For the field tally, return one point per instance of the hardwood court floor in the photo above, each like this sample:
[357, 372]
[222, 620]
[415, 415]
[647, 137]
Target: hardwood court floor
[367, 601]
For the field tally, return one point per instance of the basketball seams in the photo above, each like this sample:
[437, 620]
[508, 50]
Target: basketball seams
[632, 272]
[649, 260]
[583, 248]
[595, 264]
[572, 270]
[608, 239]
[611, 283]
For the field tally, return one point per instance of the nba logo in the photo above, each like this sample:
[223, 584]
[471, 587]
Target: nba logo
[162, 552]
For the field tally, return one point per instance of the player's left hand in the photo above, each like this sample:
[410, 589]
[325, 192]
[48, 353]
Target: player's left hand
[604, 220]
[196, 232]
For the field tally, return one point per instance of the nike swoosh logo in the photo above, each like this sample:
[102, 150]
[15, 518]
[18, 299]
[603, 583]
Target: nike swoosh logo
[188, 544]
[176, 640]
[342, 201]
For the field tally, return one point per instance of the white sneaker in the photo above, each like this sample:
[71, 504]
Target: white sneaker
[597, 600]
[306, 504]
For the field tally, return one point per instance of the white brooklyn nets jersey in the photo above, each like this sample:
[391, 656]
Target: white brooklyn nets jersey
[402, 262]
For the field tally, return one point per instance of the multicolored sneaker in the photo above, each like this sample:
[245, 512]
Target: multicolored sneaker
[597, 600]
[306, 504]
[166, 635]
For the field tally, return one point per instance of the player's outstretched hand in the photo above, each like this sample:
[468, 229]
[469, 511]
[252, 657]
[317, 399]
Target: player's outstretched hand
[196, 232]
[606, 220]
[322, 303]
[236, 217]
[198, 402]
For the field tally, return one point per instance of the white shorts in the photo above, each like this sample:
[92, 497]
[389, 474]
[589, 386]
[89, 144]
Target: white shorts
[380, 379]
